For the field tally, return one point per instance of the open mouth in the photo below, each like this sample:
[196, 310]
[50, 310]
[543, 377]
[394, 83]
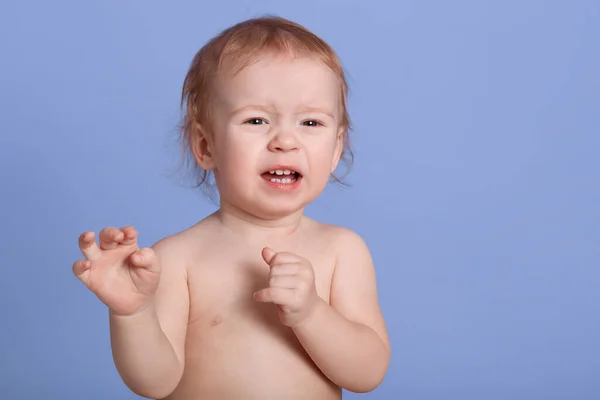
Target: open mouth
[282, 176]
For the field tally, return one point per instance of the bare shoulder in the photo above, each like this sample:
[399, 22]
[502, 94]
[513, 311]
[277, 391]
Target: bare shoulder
[349, 242]
[345, 243]
[353, 257]
[171, 249]
[354, 291]
[176, 250]
[348, 248]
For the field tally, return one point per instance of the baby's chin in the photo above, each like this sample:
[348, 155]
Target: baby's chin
[268, 203]
[271, 209]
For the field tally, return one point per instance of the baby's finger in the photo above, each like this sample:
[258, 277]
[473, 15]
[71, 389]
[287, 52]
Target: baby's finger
[268, 254]
[284, 281]
[277, 296]
[284, 258]
[284, 269]
[80, 267]
[110, 238]
[144, 258]
[88, 246]
[129, 235]
[271, 257]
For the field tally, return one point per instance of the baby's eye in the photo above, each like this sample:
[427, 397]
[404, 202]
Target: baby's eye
[256, 121]
[312, 122]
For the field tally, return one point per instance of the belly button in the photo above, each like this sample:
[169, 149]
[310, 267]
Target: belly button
[216, 320]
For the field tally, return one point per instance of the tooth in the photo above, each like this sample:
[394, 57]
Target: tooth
[272, 172]
[287, 172]
[279, 172]
[283, 180]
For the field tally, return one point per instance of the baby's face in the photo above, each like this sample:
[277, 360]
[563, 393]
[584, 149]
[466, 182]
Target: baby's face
[278, 115]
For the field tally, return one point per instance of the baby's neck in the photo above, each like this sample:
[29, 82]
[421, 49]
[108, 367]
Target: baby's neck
[244, 223]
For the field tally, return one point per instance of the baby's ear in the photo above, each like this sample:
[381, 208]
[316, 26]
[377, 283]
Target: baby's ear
[200, 147]
[338, 149]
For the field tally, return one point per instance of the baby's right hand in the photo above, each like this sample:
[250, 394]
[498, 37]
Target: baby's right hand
[123, 276]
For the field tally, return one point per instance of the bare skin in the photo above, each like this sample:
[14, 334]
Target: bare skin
[232, 345]
[256, 301]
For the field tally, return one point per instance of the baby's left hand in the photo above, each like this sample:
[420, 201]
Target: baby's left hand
[291, 286]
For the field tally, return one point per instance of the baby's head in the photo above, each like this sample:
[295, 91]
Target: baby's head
[265, 107]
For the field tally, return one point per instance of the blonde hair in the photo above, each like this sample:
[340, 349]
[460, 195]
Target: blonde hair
[235, 48]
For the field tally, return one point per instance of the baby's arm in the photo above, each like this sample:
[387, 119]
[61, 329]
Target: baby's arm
[148, 347]
[348, 340]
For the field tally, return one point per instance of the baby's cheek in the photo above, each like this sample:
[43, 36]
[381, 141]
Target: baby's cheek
[324, 165]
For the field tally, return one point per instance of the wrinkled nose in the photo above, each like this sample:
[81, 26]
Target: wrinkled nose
[283, 142]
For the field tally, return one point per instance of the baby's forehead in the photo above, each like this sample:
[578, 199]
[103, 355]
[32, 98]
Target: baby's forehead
[271, 64]
[277, 74]
[279, 98]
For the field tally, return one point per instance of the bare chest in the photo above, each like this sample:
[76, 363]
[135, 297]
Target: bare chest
[232, 338]
[222, 284]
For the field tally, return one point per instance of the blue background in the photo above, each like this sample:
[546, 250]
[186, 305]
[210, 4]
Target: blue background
[476, 182]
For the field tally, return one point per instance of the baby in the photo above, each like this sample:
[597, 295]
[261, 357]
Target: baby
[256, 301]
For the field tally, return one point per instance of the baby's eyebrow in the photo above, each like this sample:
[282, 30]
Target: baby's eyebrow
[308, 109]
[272, 110]
[260, 107]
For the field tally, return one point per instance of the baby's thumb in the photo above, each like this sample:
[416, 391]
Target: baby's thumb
[268, 254]
[145, 258]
